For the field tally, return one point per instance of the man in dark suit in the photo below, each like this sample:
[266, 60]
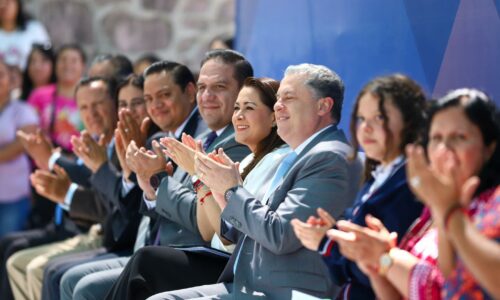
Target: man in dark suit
[221, 76]
[95, 100]
[269, 261]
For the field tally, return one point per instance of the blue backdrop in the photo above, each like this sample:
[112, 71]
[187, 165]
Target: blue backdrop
[441, 44]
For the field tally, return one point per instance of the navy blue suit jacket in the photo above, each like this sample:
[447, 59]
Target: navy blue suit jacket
[395, 205]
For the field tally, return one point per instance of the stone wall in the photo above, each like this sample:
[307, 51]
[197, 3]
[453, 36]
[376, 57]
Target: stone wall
[173, 29]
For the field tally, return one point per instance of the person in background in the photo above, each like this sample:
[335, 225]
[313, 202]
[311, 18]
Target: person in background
[14, 165]
[222, 42]
[40, 69]
[115, 66]
[18, 32]
[97, 106]
[16, 81]
[143, 62]
[55, 103]
[463, 193]
[462, 151]
[63, 226]
[387, 115]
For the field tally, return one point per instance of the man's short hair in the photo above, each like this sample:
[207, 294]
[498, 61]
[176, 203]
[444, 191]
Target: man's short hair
[150, 58]
[322, 82]
[242, 67]
[122, 66]
[110, 84]
[181, 74]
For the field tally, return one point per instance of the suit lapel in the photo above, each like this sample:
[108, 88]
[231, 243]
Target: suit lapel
[319, 138]
[393, 183]
[192, 124]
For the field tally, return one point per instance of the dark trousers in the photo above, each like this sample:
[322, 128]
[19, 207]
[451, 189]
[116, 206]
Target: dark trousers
[153, 270]
[17, 241]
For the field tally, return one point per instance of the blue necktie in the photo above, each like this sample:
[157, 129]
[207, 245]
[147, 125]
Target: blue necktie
[209, 140]
[58, 215]
[280, 173]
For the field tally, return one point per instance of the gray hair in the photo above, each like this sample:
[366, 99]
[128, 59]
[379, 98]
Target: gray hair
[322, 82]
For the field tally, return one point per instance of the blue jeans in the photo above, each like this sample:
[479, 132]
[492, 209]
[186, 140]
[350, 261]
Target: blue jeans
[13, 216]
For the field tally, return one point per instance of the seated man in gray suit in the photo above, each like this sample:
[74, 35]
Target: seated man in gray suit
[269, 261]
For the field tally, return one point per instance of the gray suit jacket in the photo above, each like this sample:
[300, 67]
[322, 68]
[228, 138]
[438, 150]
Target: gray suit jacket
[272, 260]
[176, 201]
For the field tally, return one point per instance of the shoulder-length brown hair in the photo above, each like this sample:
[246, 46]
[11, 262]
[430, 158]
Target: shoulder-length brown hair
[408, 97]
[267, 89]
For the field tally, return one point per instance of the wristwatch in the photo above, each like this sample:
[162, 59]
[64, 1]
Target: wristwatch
[385, 262]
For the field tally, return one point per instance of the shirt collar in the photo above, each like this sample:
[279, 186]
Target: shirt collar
[219, 132]
[387, 169]
[177, 133]
[304, 144]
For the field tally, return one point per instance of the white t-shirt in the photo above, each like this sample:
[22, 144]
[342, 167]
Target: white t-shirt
[15, 46]
[14, 174]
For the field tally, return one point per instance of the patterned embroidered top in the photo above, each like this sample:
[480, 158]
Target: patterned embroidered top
[486, 215]
[421, 241]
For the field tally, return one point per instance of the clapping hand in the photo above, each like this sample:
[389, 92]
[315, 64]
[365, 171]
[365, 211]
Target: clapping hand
[219, 174]
[92, 153]
[144, 162]
[121, 149]
[311, 233]
[181, 153]
[130, 130]
[38, 146]
[363, 245]
[52, 186]
[439, 187]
